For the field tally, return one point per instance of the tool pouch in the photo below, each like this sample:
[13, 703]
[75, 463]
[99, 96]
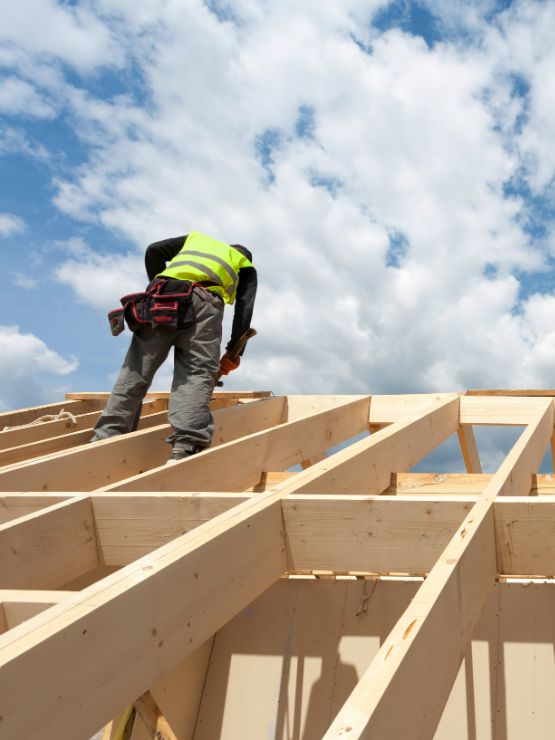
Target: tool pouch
[166, 302]
[136, 310]
[171, 304]
[164, 312]
[115, 318]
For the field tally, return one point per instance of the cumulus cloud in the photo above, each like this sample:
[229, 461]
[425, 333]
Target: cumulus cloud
[382, 182]
[15, 141]
[402, 141]
[99, 280]
[18, 96]
[73, 34]
[29, 369]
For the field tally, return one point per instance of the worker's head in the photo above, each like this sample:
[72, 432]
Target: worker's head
[243, 250]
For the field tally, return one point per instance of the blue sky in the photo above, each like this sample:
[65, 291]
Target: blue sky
[389, 164]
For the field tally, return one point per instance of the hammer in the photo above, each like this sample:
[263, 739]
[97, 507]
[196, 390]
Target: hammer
[236, 350]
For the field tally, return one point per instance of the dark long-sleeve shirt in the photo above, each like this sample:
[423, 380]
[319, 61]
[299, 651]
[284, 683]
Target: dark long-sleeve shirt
[158, 253]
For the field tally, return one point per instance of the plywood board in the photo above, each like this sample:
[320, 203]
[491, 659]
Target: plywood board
[299, 649]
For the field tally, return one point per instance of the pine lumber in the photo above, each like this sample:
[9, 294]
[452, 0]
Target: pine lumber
[454, 593]
[48, 548]
[91, 466]
[240, 464]
[116, 571]
[378, 534]
[30, 414]
[469, 448]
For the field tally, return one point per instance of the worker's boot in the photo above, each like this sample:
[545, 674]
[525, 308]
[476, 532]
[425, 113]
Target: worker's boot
[180, 452]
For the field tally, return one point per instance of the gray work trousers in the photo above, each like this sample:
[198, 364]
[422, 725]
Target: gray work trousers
[196, 365]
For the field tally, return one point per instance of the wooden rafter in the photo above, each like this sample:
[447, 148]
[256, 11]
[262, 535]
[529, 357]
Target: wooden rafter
[193, 544]
[454, 592]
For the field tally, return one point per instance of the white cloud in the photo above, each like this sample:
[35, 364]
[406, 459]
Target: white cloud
[11, 224]
[18, 96]
[99, 280]
[14, 141]
[28, 368]
[530, 35]
[467, 17]
[73, 34]
[416, 141]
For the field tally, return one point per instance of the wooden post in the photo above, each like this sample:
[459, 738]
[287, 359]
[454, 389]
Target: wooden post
[469, 449]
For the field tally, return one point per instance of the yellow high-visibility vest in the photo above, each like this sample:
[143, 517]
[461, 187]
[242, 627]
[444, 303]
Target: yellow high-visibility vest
[204, 259]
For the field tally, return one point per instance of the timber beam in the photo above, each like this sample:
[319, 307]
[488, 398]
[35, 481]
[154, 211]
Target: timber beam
[333, 533]
[454, 592]
[101, 463]
[239, 464]
[284, 491]
[212, 572]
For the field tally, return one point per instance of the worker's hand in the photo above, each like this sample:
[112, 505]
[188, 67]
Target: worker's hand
[227, 364]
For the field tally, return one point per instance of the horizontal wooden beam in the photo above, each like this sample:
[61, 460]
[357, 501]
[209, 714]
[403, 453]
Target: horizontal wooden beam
[525, 535]
[15, 505]
[332, 533]
[378, 534]
[375, 535]
[49, 548]
[22, 605]
[445, 484]
[217, 395]
[338, 534]
[481, 410]
[499, 411]
[131, 525]
[550, 392]
[386, 409]
[299, 407]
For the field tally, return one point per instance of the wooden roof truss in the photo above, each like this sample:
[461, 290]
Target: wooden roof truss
[114, 567]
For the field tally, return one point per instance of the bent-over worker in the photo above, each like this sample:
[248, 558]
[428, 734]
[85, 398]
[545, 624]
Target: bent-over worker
[181, 308]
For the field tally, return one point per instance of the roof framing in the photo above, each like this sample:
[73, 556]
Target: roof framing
[91, 535]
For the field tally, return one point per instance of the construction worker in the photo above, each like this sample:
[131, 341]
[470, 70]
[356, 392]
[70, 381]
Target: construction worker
[181, 308]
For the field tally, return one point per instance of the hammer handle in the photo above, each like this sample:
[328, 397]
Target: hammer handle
[236, 350]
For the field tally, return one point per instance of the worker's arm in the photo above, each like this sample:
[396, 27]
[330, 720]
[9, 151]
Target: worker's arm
[244, 305]
[158, 253]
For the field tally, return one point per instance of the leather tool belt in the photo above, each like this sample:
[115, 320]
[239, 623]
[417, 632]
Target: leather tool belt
[165, 303]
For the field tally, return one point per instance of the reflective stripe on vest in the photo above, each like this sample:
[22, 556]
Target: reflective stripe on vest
[213, 261]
